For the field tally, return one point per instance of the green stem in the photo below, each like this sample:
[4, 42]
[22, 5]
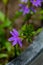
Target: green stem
[15, 52]
[6, 14]
[6, 9]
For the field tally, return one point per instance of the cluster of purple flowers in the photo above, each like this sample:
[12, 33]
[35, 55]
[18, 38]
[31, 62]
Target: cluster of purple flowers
[24, 7]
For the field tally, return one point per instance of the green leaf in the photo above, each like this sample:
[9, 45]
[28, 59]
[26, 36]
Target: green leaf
[18, 53]
[17, 14]
[41, 17]
[39, 30]
[8, 46]
[3, 55]
[2, 17]
[17, 50]
[23, 27]
[5, 21]
[1, 31]
[5, 1]
[26, 31]
[21, 31]
[41, 12]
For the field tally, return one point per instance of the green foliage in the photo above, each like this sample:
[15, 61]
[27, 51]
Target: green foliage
[8, 46]
[5, 23]
[10, 50]
[41, 13]
[17, 50]
[27, 31]
[5, 1]
[41, 17]
[2, 37]
[38, 31]
[1, 31]
[2, 55]
[27, 17]
[4, 20]
[17, 15]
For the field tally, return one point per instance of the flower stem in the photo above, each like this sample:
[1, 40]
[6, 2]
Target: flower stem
[15, 52]
[6, 12]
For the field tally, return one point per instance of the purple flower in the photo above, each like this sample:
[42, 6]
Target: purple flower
[25, 1]
[32, 9]
[36, 2]
[24, 9]
[15, 38]
[41, 0]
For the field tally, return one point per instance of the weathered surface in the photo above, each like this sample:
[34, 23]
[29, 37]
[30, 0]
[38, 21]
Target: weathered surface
[30, 53]
[38, 60]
